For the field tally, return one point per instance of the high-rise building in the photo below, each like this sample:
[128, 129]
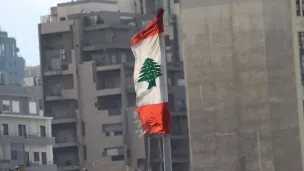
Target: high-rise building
[242, 71]
[10, 63]
[87, 79]
[25, 135]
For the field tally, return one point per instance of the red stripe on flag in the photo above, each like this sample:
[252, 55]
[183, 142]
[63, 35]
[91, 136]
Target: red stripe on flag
[155, 118]
[153, 28]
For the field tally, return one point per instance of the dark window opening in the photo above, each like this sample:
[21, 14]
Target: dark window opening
[302, 8]
[42, 131]
[118, 158]
[44, 158]
[116, 133]
[107, 134]
[83, 128]
[298, 7]
[14, 155]
[21, 130]
[85, 152]
[36, 156]
[5, 129]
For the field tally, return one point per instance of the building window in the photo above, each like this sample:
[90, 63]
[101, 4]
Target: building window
[42, 131]
[118, 158]
[32, 108]
[36, 157]
[298, 8]
[5, 129]
[116, 133]
[123, 57]
[40, 104]
[302, 7]
[83, 128]
[15, 106]
[14, 155]
[21, 130]
[1, 49]
[6, 105]
[44, 157]
[117, 154]
[113, 129]
[85, 152]
[181, 82]
[176, 1]
[301, 49]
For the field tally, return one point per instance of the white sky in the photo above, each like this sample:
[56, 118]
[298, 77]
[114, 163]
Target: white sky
[20, 19]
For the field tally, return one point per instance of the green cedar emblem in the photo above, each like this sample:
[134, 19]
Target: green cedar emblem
[149, 72]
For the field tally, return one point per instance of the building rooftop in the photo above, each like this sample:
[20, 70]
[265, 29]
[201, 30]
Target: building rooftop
[32, 67]
[13, 90]
[26, 116]
[86, 1]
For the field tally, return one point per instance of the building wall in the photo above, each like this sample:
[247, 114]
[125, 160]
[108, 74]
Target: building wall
[11, 63]
[242, 90]
[14, 142]
[64, 10]
[32, 125]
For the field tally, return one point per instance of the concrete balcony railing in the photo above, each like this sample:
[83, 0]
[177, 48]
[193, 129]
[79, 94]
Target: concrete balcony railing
[67, 165]
[63, 94]
[65, 143]
[5, 163]
[63, 120]
[64, 70]
[49, 166]
[110, 91]
[29, 138]
[39, 139]
[92, 45]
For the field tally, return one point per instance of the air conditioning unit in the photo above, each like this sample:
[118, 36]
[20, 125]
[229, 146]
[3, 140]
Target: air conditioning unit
[62, 57]
[62, 52]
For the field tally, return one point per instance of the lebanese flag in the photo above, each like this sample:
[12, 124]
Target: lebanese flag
[150, 77]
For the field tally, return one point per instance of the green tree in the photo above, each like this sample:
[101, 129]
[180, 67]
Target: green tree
[149, 72]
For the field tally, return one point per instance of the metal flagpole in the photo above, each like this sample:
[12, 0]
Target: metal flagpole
[167, 159]
[147, 138]
[149, 153]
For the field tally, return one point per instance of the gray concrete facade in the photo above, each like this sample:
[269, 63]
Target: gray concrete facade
[243, 85]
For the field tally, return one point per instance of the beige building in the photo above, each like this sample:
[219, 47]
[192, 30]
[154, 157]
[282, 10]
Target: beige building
[87, 70]
[243, 82]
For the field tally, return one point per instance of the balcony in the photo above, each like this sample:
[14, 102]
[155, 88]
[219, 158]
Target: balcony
[4, 164]
[65, 138]
[29, 138]
[103, 45]
[61, 94]
[68, 165]
[38, 139]
[64, 120]
[38, 167]
[65, 144]
[66, 69]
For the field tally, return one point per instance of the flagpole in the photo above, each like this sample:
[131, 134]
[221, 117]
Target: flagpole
[149, 153]
[167, 159]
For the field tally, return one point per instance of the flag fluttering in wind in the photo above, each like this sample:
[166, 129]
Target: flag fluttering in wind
[150, 77]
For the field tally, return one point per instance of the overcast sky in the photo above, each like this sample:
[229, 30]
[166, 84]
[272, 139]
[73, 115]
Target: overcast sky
[20, 19]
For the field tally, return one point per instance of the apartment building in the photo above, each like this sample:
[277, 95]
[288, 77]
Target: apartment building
[87, 78]
[32, 71]
[25, 135]
[10, 63]
[242, 72]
